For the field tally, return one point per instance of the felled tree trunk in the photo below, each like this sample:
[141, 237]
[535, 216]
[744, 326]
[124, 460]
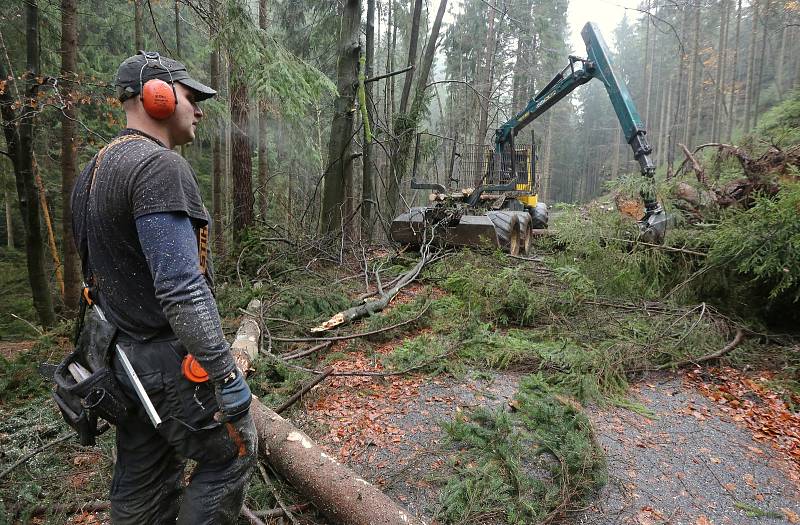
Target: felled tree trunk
[332, 488]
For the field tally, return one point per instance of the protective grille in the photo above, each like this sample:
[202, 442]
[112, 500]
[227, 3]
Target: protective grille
[468, 165]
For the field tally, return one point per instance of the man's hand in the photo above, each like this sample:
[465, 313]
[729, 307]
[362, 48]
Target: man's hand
[233, 397]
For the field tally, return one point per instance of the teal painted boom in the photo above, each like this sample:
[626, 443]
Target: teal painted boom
[578, 72]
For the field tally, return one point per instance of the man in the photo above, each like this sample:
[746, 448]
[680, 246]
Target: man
[141, 228]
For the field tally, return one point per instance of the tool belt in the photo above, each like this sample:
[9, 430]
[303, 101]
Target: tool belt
[86, 390]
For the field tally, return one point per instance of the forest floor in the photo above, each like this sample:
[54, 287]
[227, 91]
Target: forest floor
[696, 446]
[685, 455]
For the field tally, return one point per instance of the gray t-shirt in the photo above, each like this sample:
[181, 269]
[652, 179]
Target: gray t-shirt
[135, 178]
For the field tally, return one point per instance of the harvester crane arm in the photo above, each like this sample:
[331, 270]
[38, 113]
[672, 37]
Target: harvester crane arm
[579, 72]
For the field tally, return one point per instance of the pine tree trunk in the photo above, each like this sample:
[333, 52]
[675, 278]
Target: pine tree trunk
[720, 72]
[69, 68]
[263, 167]
[18, 130]
[750, 81]
[368, 173]
[412, 56]
[9, 218]
[339, 172]
[400, 125]
[486, 79]
[690, 85]
[138, 39]
[762, 59]
[217, 169]
[241, 162]
[779, 62]
[734, 70]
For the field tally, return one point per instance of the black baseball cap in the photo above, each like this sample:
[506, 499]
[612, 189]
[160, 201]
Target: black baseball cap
[147, 65]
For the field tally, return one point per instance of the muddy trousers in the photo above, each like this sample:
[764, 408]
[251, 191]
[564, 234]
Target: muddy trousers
[147, 486]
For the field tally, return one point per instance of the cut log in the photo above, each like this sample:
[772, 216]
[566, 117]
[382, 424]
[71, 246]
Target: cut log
[332, 488]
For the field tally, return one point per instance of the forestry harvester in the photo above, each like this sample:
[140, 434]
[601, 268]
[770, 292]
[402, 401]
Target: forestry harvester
[492, 195]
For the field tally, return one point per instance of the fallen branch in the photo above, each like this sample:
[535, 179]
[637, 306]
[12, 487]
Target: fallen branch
[251, 516]
[351, 336]
[29, 455]
[696, 166]
[738, 338]
[659, 246]
[370, 307]
[308, 386]
[71, 508]
[303, 353]
[278, 499]
[278, 512]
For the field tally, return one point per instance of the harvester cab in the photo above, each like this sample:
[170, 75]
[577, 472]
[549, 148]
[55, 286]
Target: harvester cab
[489, 196]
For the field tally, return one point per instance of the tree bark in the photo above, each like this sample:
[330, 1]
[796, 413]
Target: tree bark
[241, 162]
[751, 58]
[486, 79]
[720, 72]
[339, 172]
[762, 59]
[217, 169]
[69, 68]
[368, 173]
[18, 131]
[263, 167]
[9, 218]
[690, 84]
[734, 69]
[138, 40]
[412, 55]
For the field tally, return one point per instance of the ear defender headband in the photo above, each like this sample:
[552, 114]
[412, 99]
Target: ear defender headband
[158, 97]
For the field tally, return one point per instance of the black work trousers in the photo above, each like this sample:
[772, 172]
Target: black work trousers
[147, 487]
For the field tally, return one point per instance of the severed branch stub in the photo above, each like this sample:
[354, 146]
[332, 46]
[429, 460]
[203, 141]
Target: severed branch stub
[332, 488]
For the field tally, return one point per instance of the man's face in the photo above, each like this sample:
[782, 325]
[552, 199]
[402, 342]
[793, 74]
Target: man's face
[187, 114]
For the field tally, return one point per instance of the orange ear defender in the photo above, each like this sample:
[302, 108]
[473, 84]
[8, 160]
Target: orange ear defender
[158, 99]
[192, 370]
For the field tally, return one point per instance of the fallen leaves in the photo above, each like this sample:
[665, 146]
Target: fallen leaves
[747, 400]
[790, 515]
[362, 411]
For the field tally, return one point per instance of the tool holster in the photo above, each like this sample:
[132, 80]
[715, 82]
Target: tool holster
[97, 394]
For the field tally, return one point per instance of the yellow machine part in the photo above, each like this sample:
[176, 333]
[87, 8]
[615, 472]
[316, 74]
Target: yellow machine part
[529, 198]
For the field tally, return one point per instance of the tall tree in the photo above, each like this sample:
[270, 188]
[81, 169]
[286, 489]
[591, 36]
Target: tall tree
[217, 161]
[691, 90]
[263, 168]
[751, 67]
[69, 73]
[339, 172]
[487, 68]
[734, 67]
[762, 59]
[368, 175]
[19, 130]
[138, 37]
[720, 70]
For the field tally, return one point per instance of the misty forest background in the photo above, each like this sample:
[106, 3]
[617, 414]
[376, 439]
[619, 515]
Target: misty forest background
[298, 146]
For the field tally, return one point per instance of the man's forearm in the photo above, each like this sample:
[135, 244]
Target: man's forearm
[169, 244]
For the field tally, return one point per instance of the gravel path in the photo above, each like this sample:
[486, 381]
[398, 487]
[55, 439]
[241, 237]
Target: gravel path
[687, 464]
[684, 464]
